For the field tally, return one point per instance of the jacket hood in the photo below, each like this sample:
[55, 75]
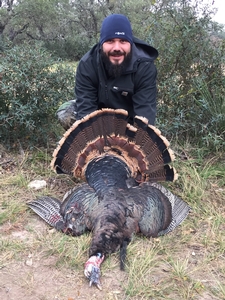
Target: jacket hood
[148, 51]
[141, 51]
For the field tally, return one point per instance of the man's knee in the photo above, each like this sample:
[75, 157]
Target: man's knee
[66, 114]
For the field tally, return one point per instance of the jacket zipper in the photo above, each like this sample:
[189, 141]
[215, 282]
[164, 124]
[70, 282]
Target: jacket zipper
[106, 93]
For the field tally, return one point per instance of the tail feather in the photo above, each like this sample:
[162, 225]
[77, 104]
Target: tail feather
[165, 173]
[106, 132]
[158, 160]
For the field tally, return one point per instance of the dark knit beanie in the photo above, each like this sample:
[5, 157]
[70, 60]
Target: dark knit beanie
[116, 26]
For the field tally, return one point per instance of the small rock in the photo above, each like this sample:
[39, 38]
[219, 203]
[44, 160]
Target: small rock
[29, 261]
[37, 184]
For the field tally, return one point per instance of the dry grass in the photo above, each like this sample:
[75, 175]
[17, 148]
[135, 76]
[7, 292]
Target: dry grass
[36, 262]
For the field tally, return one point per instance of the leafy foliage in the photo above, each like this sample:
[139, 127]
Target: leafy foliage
[190, 73]
[190, 64]
[211, 113]
[31, 90]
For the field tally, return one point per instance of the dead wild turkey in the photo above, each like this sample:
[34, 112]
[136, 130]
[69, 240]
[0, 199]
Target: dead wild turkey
[121, 164]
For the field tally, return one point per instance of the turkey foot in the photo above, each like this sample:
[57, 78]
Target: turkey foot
[92, 269]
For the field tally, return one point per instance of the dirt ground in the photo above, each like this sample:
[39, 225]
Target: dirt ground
[37, 278]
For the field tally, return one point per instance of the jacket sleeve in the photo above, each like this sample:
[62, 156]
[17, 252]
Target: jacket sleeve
[144, 97]
[86, 89]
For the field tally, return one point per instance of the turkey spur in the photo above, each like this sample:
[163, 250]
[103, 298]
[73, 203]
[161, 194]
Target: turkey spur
[121, 165]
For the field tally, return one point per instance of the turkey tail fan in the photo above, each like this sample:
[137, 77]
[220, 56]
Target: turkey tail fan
[105, 133]
[48, 208]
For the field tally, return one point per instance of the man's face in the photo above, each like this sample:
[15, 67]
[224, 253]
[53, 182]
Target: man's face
[116, 50]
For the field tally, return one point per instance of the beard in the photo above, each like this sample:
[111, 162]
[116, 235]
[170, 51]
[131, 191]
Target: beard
[115, 70]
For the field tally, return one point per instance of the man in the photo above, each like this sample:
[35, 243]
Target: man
[118, 72]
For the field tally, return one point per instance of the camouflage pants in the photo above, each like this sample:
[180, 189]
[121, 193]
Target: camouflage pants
[66, 114]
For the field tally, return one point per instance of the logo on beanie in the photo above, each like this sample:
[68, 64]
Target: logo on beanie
[120, 33]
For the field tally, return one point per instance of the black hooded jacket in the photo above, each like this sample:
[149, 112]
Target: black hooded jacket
[134, 91]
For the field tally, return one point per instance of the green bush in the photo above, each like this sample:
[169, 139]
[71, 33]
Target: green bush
[191, 76]
[210, 113]
[32, 87]
[71, 48]
[198, 116]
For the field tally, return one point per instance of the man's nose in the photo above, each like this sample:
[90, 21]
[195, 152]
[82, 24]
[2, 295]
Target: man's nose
[116, 46]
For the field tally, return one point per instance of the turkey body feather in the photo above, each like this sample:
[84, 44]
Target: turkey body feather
[121, 164]
[115, 216]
